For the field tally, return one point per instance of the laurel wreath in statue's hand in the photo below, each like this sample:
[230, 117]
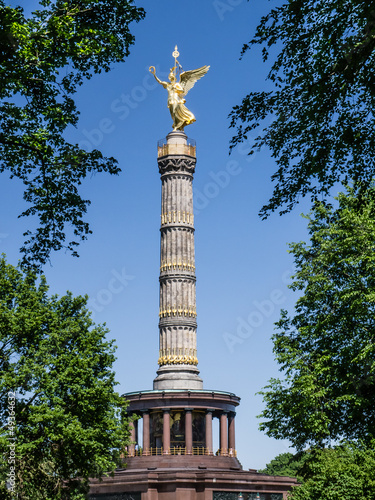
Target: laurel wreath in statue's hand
[152, 69]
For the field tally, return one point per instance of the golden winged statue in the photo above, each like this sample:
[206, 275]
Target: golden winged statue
[177, 91]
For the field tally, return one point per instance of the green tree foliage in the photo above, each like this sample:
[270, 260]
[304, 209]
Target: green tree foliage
[43, 60]
[286, 464]
[317, 118]
[69, 421]
[342, 473]
[327, 350]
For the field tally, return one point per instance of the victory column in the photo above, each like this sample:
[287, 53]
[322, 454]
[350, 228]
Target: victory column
[175, 457]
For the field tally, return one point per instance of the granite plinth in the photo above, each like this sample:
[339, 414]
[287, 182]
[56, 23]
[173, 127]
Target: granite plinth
[189, 483]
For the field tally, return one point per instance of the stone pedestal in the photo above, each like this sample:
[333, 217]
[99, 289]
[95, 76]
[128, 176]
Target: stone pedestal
[182, 482]
[191, 470]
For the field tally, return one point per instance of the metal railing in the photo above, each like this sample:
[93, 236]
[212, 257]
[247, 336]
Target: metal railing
[177, 149]
[226, 452]
[181, 450]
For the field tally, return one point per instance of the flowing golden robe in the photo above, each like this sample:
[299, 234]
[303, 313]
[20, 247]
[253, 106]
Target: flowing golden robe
[176, 103]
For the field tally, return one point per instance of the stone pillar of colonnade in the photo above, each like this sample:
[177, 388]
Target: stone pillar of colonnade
[166, 432]
[231, 433]
[146, 433]
[189, 431]
[224, 434]
[209, 441]
[133, 437]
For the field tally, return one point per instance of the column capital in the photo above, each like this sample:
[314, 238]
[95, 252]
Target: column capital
[172, 165]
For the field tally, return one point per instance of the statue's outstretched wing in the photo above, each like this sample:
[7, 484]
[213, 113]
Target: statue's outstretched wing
[188, 78]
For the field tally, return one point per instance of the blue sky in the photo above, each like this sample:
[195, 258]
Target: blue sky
[242, 263]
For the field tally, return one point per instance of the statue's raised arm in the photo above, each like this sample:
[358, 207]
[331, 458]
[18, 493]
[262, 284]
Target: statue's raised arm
[177, 90]
[153, 71]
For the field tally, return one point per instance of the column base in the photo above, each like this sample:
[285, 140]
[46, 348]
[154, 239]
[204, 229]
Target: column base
[178, 377]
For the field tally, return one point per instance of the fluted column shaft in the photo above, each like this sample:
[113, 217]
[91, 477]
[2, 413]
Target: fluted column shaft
[177, 310]
[177, 306]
